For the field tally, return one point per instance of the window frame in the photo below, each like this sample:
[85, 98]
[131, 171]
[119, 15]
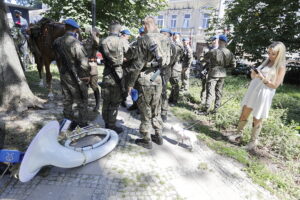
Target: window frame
[160, 21]
[173, 21]
[186, 21]
[205, 20]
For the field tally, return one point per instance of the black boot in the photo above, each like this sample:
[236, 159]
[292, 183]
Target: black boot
[164, 118]
[133, 107]
[157, 138]
[115, 128]
[97, 99]
[144, 143]
[123, 104]
[73, 125]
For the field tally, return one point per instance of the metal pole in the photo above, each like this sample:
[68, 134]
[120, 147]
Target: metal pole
[93, 13]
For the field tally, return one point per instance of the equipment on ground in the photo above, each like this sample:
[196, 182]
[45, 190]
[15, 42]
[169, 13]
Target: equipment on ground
[46, 150]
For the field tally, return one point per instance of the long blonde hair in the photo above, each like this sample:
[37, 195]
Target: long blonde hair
[280, 60]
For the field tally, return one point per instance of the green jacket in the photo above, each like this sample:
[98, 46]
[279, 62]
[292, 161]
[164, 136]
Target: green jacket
[218, 61]
[74, 53]
[151, 48]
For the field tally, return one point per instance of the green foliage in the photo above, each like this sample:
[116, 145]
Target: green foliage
[127, 12]
[76, 9]
[258, 22]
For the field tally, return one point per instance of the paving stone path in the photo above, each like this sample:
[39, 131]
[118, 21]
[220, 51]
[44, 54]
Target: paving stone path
[169, 171]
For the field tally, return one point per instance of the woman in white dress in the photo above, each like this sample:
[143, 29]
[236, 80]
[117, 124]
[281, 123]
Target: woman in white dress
[258, 98]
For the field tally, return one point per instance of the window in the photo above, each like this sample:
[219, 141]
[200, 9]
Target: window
[160, 21]
[186, 21]
[173, 21]
[205, 21]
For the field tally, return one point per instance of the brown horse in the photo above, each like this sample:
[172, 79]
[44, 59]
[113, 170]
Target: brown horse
[42, 36]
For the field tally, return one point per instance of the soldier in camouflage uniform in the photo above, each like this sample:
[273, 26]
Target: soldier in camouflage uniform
[176, 70]
[125, 35]
[20, 44]
[113, 91]
[205, 63]
[91, 45]
[74, 74]
[131, 56]
[20, 38]
[219, 59]
[166, 74]
[186, 64]
[153, 54]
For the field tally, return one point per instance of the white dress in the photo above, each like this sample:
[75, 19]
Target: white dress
[259, 96]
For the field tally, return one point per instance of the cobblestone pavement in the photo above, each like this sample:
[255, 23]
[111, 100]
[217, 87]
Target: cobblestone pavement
[169, 171]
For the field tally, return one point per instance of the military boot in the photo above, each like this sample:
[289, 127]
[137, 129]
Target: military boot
[123, 104]
[114, 128]
[254, 137]
[164, 118]
[97, 98]
[157, 138]
[146, 143]
[72, 126]
[133, 106]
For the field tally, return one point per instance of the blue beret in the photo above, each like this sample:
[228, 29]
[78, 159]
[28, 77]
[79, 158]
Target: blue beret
[223, 38]
[125, 32]
[72, 23]
[186, 39]
[165, 30]
[141, 30]
[176, 33]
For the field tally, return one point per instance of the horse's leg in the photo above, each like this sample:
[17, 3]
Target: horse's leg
[49, 78]
[40, 65]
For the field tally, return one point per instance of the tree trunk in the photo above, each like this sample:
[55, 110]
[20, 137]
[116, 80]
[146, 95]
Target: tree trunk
[15, 93]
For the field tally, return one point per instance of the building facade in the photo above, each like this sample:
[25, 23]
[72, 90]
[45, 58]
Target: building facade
[190, 17]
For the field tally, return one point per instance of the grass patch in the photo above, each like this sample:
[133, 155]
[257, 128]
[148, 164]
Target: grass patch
[126, 182]
[279, 134]
[33, 80]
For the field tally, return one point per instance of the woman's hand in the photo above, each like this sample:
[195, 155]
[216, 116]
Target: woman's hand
[257, 75]
[260, 75]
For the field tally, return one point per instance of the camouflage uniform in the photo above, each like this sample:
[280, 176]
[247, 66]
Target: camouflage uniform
[74, 65]
[91, 45]
[176, 75]
[203, 80]
[152, 47]
[128, 56]
[166, 73]
[112, 89]
[186, 65]
[21, 45]
[219, 60]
